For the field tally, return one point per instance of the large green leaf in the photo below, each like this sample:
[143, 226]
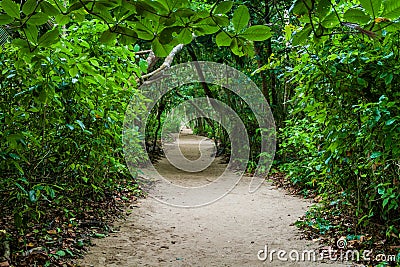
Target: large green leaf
[223, 7]
[49, 38]
[237, 46]
[171, 4]
[302, 35]
[221, 20]
[323, 8]
[21, 44]
[5, 19]
[371, 6]
[49, 9]
[104, 13]
[144, 30]
[185, 36]
[29, 7]
[11, 8]
[240, 18]
[330, 21]
[127, 36]
[300, 7]
[257, 33]
[206, 26]
[181, 13]
[356, 16]
[167, 35]
[390, 26]
[223, 39]
[160, 49]
[62, 19]
[31, 33]
[39, 18]
[391, 9]
[108, 37]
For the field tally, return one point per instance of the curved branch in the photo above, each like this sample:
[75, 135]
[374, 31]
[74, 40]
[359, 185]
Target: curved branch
[167, 62]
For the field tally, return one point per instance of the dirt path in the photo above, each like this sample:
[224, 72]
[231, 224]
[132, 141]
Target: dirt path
[229, 232]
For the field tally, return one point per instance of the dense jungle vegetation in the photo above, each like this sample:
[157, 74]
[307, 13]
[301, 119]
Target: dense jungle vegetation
[329, 69]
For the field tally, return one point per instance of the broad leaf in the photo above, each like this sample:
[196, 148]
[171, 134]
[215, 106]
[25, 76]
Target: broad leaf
[5, 19]
[49, 38]
[323, 8]
[172, 4]
[356, 16]
[160, 50]
[144, 30]
[38, 19]
[31, 33]
[185, 36]
[205, 29]
[221, 20]
[107, 37]
[302, 35]
[391, 9]
[330, 21]
[127, 36]
[29, 7]
[237, 46]
[257, 33]
[104, 13]
[49, 9]
[223, 7]
[300, 7]
[21, 44]
[391, 121]
[182, 13]
[223, 39]
[388, 78]
[240, 18]
[167, 35]
[11, 8]
[62, 19]
[371, 6]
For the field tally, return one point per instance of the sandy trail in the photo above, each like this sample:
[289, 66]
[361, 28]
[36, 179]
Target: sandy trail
[228, 232]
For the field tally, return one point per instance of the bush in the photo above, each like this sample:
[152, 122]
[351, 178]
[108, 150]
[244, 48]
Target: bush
[343, 134]
[61, 113]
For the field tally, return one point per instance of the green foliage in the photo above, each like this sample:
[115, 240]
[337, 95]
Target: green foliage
[329, 70]
[223, 7]
[11, 8]
[61, 113]
[391, 9]
[162, 24]
[240, 18]
[356, 15]
[343, 134]
[257, 33]
[324, 18]
[371, 6]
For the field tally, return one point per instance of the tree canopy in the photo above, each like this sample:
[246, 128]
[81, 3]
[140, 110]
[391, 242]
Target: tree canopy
[329, 70]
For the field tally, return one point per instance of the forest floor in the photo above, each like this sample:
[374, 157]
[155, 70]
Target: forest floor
[228, 232]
